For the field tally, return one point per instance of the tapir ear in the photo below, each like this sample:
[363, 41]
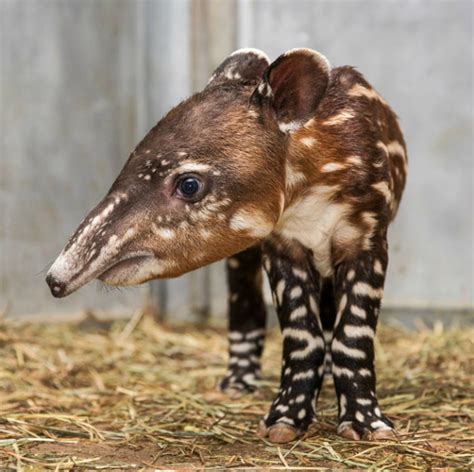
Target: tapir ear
[294, 84]
[246, 65]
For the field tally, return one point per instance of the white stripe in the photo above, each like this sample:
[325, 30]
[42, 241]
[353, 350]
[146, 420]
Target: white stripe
[357, 311]
[302, 335]
[242, 347]
[361, 288]
[340, 371]
[236, 336]
[296, 292]
[299, 312]
[256, 333]
[364, 401]
[337, 346]
[279, 290]
[353, 331]
[304, 375]
[340, 118]
[342, 306]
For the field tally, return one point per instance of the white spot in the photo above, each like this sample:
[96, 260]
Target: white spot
[357, 160]
[312, 304]
[165, 233]
[359, 416]
[291, 126]
[384, 189]
[301, 413]
[308, 141]
[358, 90]
[332, 167]
[243, 363]
[293, 176]
[300, 274]
[342, 405]
[233, 262]
[300, 398]
[337, 346]
[340, 118]
[287, 371]
[191, 167]
[282, 408]
[365, 373]
[377, 411]
[378, 267]
[264, 89]
[350, 275]
[249, 378]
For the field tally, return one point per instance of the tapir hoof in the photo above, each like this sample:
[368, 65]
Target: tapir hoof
[279, 433]
[349, 432]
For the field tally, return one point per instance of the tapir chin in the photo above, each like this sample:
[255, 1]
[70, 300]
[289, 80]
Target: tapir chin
[291, 165]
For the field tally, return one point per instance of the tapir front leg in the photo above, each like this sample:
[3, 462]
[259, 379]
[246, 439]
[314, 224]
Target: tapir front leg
[247, 319]
[359, 288]
[296, 289]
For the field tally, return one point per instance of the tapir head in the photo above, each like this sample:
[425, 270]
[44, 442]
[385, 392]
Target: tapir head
[206, 182]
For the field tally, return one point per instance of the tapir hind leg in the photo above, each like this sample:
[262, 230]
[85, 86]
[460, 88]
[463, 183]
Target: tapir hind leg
[247, 319]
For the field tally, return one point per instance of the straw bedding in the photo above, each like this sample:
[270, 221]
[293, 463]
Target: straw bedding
[137, 395]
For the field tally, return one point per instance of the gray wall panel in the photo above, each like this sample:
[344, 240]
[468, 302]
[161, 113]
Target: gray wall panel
[68, 122]
[82, 81]
[418, 54]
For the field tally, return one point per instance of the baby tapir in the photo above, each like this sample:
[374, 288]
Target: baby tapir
[292, 165]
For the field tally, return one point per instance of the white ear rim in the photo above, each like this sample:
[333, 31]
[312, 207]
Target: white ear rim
[319, 58]
[256, 52]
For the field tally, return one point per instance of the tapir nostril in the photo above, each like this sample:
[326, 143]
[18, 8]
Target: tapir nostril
[57, 288]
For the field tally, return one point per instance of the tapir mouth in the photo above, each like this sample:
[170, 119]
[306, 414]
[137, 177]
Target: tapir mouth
[124, 270]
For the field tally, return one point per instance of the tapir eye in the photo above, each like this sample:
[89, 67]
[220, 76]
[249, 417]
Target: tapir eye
[189, 187]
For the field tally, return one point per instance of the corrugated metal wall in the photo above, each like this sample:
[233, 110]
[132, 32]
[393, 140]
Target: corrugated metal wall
[82, 80]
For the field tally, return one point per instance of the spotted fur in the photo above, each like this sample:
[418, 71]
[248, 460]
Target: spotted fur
[301, 166]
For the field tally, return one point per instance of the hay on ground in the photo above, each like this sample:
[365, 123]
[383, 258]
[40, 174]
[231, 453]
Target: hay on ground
[137, 395]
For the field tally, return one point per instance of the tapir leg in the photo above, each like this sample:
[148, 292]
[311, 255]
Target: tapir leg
[359, 288]
[296, 287]
[247, 319]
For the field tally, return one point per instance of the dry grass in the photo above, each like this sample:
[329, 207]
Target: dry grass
[99, 395]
